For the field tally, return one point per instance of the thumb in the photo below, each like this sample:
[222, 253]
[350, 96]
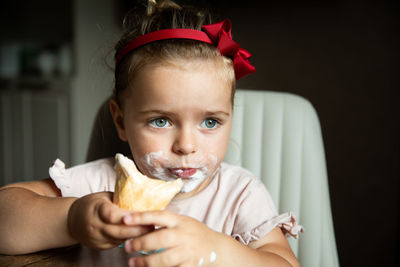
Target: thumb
[111, 213]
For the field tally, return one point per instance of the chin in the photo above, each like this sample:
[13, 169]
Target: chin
[189, 186]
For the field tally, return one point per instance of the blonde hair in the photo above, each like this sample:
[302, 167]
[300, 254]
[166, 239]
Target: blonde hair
[165, 14]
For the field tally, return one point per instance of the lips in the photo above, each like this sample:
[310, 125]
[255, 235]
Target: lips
[183, 172]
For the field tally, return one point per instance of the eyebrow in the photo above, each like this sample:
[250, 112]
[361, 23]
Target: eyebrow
[216, 113]
[163, 112]
[157, 111]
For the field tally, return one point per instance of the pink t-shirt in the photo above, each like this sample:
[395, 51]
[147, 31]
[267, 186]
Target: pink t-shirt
[235, 202]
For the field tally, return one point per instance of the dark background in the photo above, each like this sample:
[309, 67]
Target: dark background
[342, 56]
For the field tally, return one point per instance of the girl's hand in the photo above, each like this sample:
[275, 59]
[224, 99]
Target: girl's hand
[96, 222]
[187, 241]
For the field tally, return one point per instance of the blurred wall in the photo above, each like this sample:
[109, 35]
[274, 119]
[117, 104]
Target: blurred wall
[96, 30]
[35, 73]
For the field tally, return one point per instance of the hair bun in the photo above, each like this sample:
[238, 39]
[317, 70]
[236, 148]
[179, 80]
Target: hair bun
[153, 6]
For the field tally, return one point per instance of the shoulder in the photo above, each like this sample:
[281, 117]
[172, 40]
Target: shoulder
[235, 182]
[95, 172]
[83, 179]
[245, 186]
[238, 176]
[235, 171]
[100, 165]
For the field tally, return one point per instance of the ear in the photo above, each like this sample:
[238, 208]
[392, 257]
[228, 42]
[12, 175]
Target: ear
[118, 118]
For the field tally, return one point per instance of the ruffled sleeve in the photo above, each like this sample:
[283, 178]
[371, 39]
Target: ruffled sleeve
[257, 216]
[84, 179]
[286, 221]
[57, 173]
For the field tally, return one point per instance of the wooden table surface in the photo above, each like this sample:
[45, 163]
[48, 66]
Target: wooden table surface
[69, 256]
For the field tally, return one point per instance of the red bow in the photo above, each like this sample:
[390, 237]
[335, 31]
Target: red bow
[217, 34]
[220, 34]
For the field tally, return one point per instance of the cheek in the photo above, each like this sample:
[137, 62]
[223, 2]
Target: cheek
[141, 142]
[148, 155]
[217, 145]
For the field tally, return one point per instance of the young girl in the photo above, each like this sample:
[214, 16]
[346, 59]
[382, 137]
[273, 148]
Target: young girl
[173, 103]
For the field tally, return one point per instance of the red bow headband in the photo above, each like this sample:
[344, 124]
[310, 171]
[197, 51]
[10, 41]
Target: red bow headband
[217, 34]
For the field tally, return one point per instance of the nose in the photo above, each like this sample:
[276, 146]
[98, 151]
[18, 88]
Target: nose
[185, 142]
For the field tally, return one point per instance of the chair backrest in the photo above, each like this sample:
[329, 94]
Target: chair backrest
[277, 136]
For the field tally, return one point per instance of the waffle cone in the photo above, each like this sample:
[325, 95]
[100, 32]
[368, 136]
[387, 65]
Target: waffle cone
[137, 192]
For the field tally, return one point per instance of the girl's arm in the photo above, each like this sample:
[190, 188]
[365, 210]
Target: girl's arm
[33, 217]
[272, 250]
[192, 243]
[276, 243]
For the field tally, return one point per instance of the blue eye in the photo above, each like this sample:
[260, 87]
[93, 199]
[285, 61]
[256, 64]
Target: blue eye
[160, 123]
[209, 123]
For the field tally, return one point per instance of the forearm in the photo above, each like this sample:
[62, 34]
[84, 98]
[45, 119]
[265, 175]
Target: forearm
[233, 253]
[30, 222]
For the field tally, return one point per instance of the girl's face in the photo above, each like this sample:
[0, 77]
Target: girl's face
[177, 121]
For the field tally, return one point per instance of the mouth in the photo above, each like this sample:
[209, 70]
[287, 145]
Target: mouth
[183, 172]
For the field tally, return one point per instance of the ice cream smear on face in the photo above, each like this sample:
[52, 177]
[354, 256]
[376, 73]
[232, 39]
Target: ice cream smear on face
[192, 171]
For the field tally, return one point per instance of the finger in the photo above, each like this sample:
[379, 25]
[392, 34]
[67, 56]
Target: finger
[122, 232]
[169, 257]
[111, 213]
[159, 239]
[127, 220]
[159, 218]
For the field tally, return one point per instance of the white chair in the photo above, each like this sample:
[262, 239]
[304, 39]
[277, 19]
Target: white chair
[277, 136]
